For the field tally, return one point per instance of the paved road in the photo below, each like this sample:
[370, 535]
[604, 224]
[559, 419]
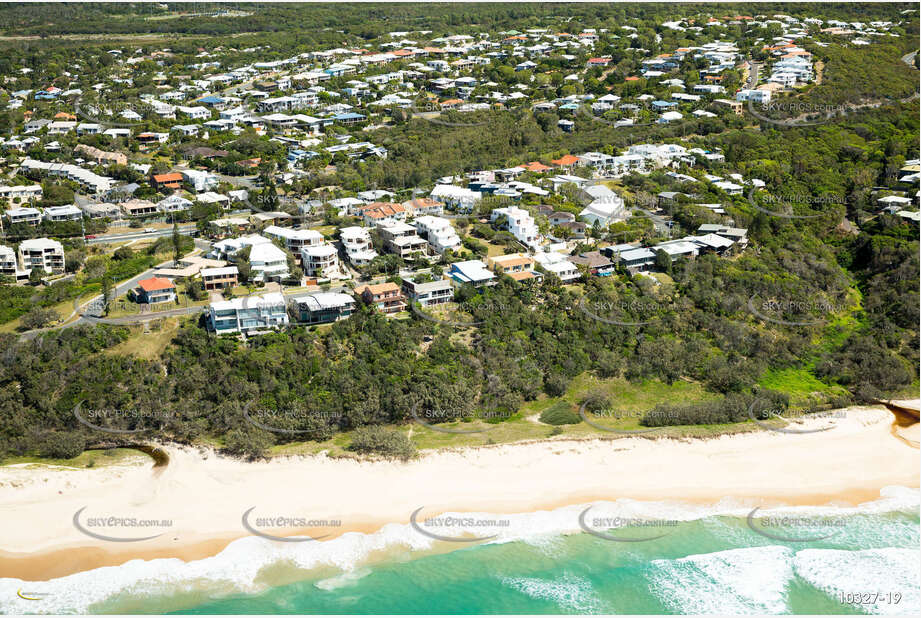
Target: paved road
[157, 233]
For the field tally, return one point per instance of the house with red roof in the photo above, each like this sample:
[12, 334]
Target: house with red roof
[535, 166]
[565, 162]
[155, 290]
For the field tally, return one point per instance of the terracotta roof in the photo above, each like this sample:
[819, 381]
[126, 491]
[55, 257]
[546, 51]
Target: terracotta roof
[535, 166]
[156, 283]
[565, 160]
[379, 210]
[420, 202]
[171, 177]
[521, 276]
[380, 288]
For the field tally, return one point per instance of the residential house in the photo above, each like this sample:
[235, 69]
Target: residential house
[248, 314]
[166, 182]
[200, 180]
[320, 261]
[597, 264]
[219, 278]
[63, 213]
[518, 266]
[268, 262]
[295, 240]
[473, 272]
[519, 222]
[439, 233]
[138, 208]
[401, 239]
[385, 296]
[324, 307]
[357, 244]
[423, 206]
[738, 235]
[28, 216]
[636, 259]
[155, 290]
[429, 293]
[556, 263]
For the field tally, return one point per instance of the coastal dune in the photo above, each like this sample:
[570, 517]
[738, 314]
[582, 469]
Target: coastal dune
[200, 500]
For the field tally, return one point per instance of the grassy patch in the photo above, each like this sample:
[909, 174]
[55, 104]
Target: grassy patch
[86, 459]
[150, 345]
[560, 413]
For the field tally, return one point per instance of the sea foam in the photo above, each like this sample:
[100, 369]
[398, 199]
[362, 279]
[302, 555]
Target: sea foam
[239, 565]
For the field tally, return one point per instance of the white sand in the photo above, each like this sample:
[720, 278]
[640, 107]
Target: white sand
[206, 495]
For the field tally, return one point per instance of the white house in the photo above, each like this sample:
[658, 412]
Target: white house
[294, 240]
[320, 261]
[520, 223]
[556, 263]
[202, 181]
[268, 262]
[439, 233]
[63, 213]
[249, 313]
[357, 244]
[457, 197]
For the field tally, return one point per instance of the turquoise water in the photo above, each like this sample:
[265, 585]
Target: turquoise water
[716, 564]
[706, 563]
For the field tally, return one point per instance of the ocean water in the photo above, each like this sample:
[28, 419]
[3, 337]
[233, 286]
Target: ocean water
[659, 558]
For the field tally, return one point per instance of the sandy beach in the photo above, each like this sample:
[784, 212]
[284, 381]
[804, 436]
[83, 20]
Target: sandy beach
[203, 496]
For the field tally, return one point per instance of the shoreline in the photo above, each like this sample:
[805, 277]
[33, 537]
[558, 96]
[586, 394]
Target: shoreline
[845, 466]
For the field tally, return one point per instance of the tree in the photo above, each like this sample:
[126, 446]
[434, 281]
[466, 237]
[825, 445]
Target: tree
[39, 317]
[106, 291]
[663, 262]
[62, 445]
[195, 290]
[36, 275]
[177, 244]
[249, 443]
[379, 440]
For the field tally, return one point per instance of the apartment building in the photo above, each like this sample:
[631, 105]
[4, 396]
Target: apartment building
[439, 233]
[90, 182]
[9, 266]
[18, 194]
[42, 253]
[248, 314]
